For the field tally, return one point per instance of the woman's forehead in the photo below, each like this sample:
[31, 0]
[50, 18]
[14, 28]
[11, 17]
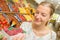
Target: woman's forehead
[43, 8]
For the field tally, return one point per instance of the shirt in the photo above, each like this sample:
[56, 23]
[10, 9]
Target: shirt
[27, 26]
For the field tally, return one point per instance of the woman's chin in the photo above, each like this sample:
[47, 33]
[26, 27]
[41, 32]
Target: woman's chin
[37, 23]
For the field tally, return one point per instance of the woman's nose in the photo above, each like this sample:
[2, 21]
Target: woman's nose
[39, 16]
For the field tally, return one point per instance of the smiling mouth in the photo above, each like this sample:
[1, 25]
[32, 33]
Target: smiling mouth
[37, 21]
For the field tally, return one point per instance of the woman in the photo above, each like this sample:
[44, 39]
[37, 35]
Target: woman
[38, 30]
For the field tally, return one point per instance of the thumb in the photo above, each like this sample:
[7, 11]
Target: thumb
[21, 36]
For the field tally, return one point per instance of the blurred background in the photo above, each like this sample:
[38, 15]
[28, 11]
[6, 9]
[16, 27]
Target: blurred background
[14, 12]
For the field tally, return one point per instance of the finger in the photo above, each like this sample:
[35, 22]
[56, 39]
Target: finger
[4, 38]
[21, 37]
[15, 38]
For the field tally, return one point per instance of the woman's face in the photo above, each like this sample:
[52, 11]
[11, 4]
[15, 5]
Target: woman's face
[42, 15]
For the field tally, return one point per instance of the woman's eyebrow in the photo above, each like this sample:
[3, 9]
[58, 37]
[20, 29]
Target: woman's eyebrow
[44, 13]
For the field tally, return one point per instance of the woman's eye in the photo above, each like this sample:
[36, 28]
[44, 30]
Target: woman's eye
[44, 15]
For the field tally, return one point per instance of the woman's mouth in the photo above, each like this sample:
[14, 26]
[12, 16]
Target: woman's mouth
[37, 20]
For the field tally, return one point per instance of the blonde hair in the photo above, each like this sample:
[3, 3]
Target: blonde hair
[50, 5]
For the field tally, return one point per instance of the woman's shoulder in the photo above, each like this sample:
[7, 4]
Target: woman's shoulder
[53, 33]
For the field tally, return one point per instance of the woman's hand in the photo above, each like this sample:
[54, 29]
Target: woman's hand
[19, 36]
[4, 38]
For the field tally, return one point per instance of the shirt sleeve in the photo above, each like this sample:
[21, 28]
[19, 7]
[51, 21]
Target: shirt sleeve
[53, 36]
[25, 26]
